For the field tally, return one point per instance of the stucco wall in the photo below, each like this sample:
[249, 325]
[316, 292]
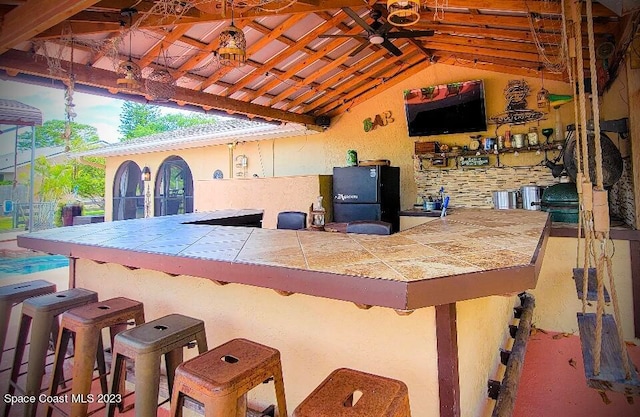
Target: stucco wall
[556, 299]
[319, 153]
[272, 195]
[314, 335]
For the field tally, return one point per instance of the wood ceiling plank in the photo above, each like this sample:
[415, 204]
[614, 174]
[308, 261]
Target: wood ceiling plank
[522, 56]
[505, 45]
[389, 66]
[19, 61]
[369, 90]
[287, 52]
[329, 85]
[29, 19]
[537, 6]
[256, 46]
[504, 22]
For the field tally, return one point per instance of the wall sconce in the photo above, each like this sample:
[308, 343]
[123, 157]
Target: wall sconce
[146, 174]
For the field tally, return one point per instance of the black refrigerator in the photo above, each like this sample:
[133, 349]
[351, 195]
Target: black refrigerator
[367, 193]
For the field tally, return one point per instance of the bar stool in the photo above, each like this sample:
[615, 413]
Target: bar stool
[12, 295]
[43, 311]
[145, 344]
[221, 378]
[337, 396]
[85, 325]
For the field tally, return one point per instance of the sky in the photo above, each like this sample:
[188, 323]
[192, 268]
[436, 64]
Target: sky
[101, 112]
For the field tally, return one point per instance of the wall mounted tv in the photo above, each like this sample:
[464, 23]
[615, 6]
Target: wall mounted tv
[446, 108]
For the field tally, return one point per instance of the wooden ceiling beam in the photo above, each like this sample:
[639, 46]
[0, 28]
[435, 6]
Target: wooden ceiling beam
[505, 45]
[22, 62]
[374, 76]
[29, 19]
[329, 85]
[175, 34]
[369, 90]
[536, 6]
[502, 21]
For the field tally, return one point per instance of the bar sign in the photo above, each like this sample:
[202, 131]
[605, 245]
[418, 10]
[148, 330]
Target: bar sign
[474, 161]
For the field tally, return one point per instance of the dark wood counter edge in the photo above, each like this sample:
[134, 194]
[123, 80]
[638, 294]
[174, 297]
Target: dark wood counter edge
[361, 290]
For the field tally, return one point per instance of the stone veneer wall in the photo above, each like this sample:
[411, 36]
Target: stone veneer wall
[472, 187]
[621, 196]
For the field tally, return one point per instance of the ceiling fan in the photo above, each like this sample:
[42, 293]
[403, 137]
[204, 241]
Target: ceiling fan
[378, 33]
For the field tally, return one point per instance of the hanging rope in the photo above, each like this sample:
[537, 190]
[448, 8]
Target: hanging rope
[601, 211]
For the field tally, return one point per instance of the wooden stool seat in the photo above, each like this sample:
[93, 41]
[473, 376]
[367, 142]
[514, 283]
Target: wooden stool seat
[11, 295]
[146, 344]
[40, 315]
[221, 378]
[86, 323]
[335, 397]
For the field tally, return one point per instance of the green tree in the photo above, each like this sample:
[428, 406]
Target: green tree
[51, 133]
[72, 178]
[137, 120]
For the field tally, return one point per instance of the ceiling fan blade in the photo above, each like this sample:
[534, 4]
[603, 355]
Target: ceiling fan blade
[358, 49]
[410, 34]
[344, 36]
[391, 48]
[356, 17]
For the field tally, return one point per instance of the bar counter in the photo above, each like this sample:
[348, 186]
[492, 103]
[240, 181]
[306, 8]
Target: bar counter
[471, 253]
[442, 347]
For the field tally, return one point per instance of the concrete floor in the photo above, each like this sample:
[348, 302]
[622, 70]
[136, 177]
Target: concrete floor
[553, 382]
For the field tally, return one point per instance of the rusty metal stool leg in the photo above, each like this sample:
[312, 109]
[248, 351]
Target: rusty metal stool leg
[86, 323]
[348, 392]
[221, 378]
[41, 314]
[146, 344]
[11, 295]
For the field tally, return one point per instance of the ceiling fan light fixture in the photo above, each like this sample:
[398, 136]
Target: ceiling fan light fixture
[403, 12]
[376, 39]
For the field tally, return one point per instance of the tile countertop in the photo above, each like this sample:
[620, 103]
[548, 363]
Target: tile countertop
[468, 254]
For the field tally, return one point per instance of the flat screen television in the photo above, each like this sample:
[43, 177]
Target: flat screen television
[446, 108]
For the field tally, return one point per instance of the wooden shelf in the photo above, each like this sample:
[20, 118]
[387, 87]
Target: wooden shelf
[479, 152]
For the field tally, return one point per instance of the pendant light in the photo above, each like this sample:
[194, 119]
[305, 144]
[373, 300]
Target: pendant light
[129, 73]
[543, 94]
[403, 12]
[233, 46]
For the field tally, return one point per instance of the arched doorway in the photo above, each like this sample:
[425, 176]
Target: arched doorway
[173, 188]
[128, 192]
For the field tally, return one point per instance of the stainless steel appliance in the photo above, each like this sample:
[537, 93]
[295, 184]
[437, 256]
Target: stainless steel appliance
[503, 200]
[531, 196]
[367, 193]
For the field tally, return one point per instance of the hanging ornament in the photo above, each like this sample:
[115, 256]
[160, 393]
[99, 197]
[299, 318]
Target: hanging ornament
[233, 46]
[543, 93]
[129, 73]
[160, 84]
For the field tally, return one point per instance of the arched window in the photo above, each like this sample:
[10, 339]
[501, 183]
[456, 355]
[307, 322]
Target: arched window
[128, 190]
[173, 188]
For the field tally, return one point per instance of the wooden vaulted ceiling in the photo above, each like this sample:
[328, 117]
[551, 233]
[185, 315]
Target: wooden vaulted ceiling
[291, 74]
